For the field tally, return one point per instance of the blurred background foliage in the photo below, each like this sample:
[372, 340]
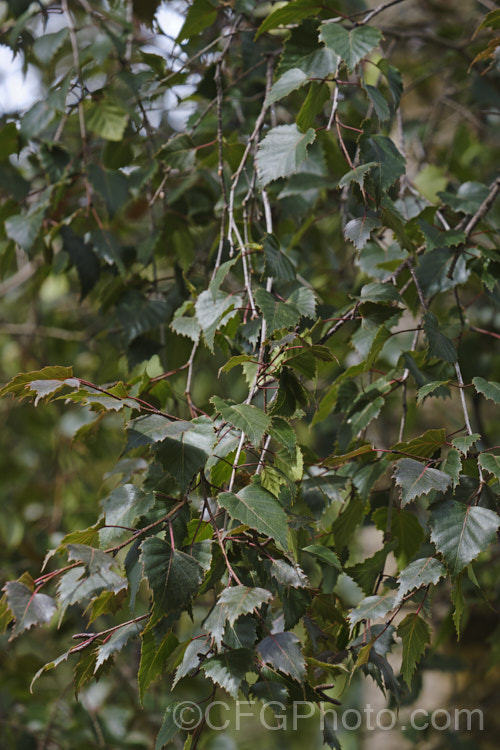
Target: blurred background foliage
[105, 311]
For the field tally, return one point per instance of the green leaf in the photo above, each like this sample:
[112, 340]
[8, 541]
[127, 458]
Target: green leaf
[153, 658]
[490, 463]
[317, 96]
[48, 666]
[439, 345]
[334, 460]
[111, 185]
[351, 45]
[83, 258]
[231, 604]
[469, 197]
[288, 574]
[453, 466]
[228, 669]
[424, 445]
[392, 164]
[491, 21]
[392, 219]
[371, 608]
[465, 442]
[24, 228]
[416, 479]
[436, 238]
[304, 300]
[28, 607]
[324, 555]
[282, 651]
[358, 230]
[489, 389]
[257, 508]
[186, 450]
[122, 508]
[282, 151]
[461, 532]
[379, 103]
[357, 174]
[46, 46]
[249, 419]
[288, 82]
[429, 388]
[116, 642]
[420, 573]
[173, 576]
[278, 265]
[9, 141]
[193, 653]
[292, 12]
[213, 312]
[394, 79]
[179, 152]
[200, 15]
[281, 431]
[277, 314]
[172, 723]
[107, 119]
[415, 634]
[95, 560]
[379, 293]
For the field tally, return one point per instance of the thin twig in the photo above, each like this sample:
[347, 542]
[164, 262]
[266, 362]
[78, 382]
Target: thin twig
[349, 315]
[467, 422]
[376, 11]
[335, 100]
[81, 114]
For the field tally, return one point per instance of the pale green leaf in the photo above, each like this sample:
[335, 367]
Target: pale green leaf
[453, 466]
[358, 230]
[213, 312]
[282, 151]
[351, 45]
[357, 174]
[490, 463]
[106, 119]
[324, 555]
[288, 82]
[257, 508]
[488, 388]
[465, 442]
[419, 573]
[249, 419]
[461, 532]
[371, 608]
[231, 604]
